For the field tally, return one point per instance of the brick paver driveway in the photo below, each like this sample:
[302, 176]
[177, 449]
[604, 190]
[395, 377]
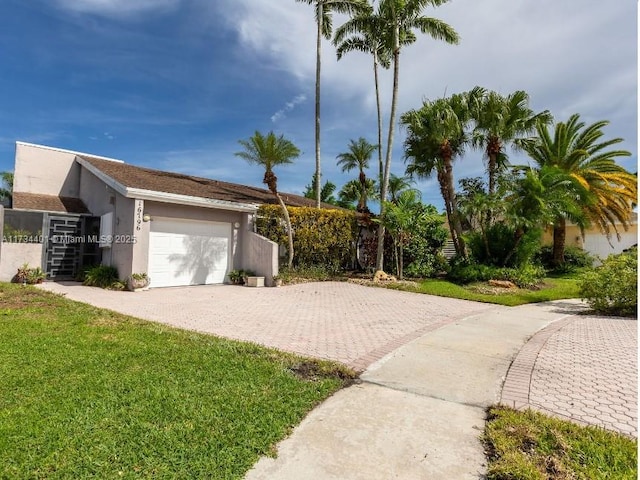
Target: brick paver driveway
[584, 368]
[349, 323]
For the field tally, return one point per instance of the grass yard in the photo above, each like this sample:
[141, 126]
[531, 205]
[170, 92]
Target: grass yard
[88, 393]
[553, 289]
[531, 446]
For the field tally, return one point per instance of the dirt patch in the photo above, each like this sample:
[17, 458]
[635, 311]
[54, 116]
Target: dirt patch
[312, 371]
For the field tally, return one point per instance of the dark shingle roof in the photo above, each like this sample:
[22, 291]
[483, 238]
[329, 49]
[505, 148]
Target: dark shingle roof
[169, 182]
[47, 203]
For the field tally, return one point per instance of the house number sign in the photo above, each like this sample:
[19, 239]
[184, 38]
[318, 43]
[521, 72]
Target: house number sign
[139, 215]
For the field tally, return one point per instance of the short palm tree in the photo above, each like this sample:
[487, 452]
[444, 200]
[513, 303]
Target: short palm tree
[436, 135]
[270, 151]
[400, 219]
[351, 192]
[604, 189]
[365, 32]
[402, 17]
[358, 156]
[398, 185]
[324, 28]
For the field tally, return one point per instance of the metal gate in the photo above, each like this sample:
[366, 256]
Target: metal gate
[67, 246]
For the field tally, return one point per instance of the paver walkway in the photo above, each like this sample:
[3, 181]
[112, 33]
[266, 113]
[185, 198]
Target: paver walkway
[583, 368]
[339, 321]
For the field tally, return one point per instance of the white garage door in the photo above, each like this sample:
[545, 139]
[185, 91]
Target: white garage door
[188, 252]
[597, 243]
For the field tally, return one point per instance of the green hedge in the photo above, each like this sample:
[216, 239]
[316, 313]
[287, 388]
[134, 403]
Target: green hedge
[320, 236]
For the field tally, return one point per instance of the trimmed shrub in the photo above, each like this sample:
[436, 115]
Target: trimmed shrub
[574, 257]
[503, 250]
[103, 276]
[320, 236]
[612, 288]
[526, 276]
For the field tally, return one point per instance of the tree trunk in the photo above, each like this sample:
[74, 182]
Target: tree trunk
[380, 164]
[559, 237]
[447, 207]
[457, 224]
[519, 235]
[387, 162]
[287, 219]
[401, 262]
[318, 65]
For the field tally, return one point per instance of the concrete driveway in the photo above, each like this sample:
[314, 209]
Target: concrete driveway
[349, 323]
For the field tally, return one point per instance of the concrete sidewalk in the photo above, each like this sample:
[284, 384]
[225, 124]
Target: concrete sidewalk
[419, 412]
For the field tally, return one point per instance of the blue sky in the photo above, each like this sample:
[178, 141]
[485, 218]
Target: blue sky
[174, 84]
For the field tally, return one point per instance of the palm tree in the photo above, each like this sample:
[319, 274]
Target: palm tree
[604, 189]
[402, 17]
[358, 156]
[400, 219]
[365, 32]
[436, 135]
[398, 185]
[351, 192]
[270, 151]
[500, 121]
[324, 26]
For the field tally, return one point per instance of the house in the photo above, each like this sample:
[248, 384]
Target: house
[72, 209]
[595, 242]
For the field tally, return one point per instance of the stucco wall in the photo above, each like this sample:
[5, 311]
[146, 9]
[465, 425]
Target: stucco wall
[100, 199]
[595, 237]
[46, 171]
[14, 255]
[261, 255]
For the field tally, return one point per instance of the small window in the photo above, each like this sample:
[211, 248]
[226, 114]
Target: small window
[106, 230]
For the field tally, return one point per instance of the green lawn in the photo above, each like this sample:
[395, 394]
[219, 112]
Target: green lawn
[553, 289]
[88, 393]
[531, 446]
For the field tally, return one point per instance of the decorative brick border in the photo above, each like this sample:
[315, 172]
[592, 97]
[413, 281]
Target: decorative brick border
[362, 363]
[517, 384]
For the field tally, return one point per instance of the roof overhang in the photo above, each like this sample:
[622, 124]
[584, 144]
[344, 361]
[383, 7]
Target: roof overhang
[165, 197]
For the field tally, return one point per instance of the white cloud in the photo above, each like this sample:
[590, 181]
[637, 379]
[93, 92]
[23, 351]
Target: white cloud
[118, 8]
[289, 106]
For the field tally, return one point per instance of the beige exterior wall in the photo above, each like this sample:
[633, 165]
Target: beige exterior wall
[100, 199]
[46, 171]
[596, 242]
[261, 256]
[14, 255]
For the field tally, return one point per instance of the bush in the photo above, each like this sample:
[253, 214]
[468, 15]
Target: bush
[612, 288]
[471, 272]
[302, 273]
[503, 250]
[526, 276]
[574, 257]
[28, 275]
[103, 276]
[320, 236]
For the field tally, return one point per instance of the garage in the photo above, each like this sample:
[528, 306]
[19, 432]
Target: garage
[188, 252]
[598, 244]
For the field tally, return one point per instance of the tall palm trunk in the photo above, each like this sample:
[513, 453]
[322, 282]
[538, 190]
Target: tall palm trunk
[318, 66]
[379, 111]
[287, 219]
[559, 238]
[451, 198]
[387, 162]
